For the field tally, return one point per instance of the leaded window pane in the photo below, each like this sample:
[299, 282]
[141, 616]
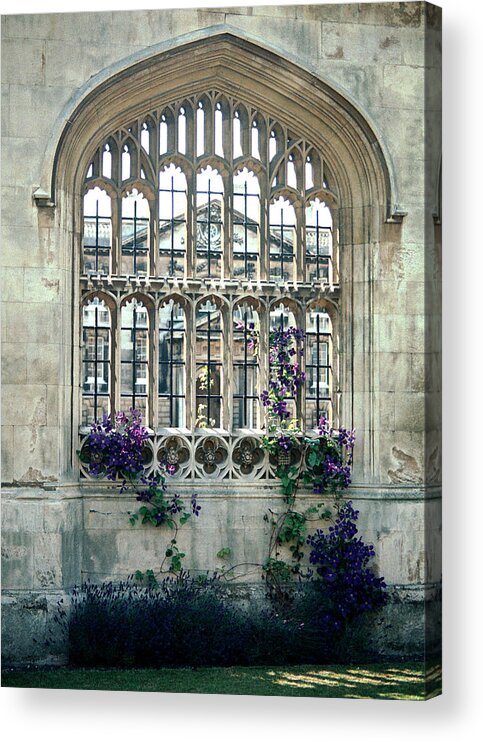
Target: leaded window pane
[134, 355]
[318, 241]
[97, 231]
[282, 236]
[246, 330]
[318, 345]
[209, 365]
[172, 236]
[135, 234]
[96, 360]
[172, 366]
[246, 225]
[209, 222]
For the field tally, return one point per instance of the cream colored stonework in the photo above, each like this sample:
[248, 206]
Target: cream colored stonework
[362, 81]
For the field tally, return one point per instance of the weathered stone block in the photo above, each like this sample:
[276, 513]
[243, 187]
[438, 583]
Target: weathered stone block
[17, 560]
[36, 453]
[14, 364]
[410, 411]
[43, 363]
[391, 14]
[27, 55]
[33, 322]
[24, 405]
[403, 82]
[47, 566]
[401, 333]
[302, 39]
[361, 45]
[44, 286]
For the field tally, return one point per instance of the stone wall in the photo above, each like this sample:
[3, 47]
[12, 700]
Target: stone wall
[385, 59]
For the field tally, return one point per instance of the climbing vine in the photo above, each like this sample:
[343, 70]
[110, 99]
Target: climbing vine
[115, 449]
[321, 461]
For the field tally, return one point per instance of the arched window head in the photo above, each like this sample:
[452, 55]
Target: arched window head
[219, 150]
[96, 360]
[182, 130]
[135, 234]
[291, 172]
[200, 129]
[309, 173]
[107, 162]
[145, 137]
[255, 143]
[246, 225]
[209, 222]
[97, 232]
[172, 236]
[318, 242]
[126, 165]
[282, 237]
[237, 142]
[163, 134]
[172, 366]
[209, 365]
[319, 355]
[246, 332]
[135, 364]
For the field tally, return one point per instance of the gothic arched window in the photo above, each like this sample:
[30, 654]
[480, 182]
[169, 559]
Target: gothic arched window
[206, 222]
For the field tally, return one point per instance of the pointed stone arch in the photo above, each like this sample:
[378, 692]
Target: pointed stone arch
[229, 60]
[360, 178]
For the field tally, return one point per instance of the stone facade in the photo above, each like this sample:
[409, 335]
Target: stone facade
[363, 79]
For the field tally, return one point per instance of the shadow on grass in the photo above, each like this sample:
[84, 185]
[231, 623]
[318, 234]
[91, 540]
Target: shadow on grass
[408, 681]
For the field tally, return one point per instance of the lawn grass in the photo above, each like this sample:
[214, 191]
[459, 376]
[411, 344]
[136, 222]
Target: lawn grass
[403, 681]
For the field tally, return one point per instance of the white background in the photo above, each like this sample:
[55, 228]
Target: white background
[72, 715]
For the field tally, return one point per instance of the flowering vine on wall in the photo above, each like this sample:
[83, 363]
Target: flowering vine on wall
[337, 562]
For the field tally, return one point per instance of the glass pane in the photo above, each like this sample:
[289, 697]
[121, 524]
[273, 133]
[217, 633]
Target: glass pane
[172, 236]
[141, 380]
[209, 222]
[282, 236]
[91, 412]
[126, 378]
[127, 346]
[245, 382]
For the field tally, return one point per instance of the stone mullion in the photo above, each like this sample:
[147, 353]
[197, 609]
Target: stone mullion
[301, 401]
[227, 256]
[263, 353]
[227, 135]
[153, 234]
[245, 131]
[190, 132]
[298, 257]
[116, 234]
[153, 373]
[227, 373]
[191, 224]
[116, 356]
[154, 158]
[264, 227]
[190, 356]
[210, 129]
[334, 262]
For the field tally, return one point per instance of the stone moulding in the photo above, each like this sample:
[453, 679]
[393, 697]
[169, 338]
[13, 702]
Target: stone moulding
[196, 60]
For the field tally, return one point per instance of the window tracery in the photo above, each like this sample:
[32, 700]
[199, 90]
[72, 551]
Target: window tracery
[202, 220]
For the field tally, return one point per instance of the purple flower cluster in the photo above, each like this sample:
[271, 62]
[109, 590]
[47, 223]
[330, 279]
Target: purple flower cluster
[285, 374]
[114, 447]
[162, 509]
[330, 459]
[341, 561]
